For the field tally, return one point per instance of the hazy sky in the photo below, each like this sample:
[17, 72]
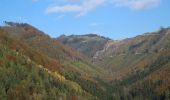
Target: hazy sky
[116, 19]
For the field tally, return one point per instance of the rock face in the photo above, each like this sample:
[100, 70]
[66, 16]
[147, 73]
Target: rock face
[109, 45]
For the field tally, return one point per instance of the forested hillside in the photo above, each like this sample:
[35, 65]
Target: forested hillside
[23, 78]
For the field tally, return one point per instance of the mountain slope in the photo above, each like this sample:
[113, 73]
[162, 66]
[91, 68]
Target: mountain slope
[22, 78]
[134, 53]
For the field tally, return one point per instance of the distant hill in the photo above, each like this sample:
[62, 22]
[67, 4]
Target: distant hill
[87, 44]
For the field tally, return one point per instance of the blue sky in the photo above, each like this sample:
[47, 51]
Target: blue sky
[116, 19]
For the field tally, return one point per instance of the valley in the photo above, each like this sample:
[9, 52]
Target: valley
[83, 67]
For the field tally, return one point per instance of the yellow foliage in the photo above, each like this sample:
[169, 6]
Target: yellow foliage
[58, 76]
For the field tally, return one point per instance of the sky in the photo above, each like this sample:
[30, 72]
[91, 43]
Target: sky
[116, 19]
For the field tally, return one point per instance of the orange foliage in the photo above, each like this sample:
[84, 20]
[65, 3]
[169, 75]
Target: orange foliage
[53, 65]
[11, 58]
[73, 97]
[1, 62]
